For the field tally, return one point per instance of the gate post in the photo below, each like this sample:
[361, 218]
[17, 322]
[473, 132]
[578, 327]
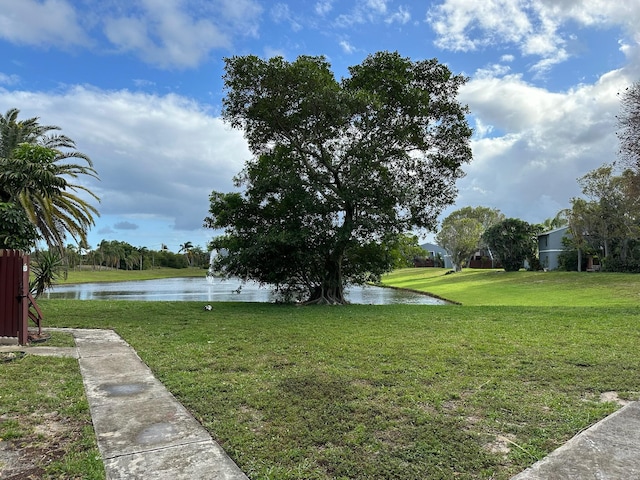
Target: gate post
[14, 295]
[23, 302]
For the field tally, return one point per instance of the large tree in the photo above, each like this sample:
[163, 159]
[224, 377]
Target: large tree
[340, 168]
[607, 221]
[512, 241]
[36, 175]
[406, 251]
[461, 232]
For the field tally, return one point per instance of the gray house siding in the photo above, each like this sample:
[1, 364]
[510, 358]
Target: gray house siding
[433, 250]
[550, 247]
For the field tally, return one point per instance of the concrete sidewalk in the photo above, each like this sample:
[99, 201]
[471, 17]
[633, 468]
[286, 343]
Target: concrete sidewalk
[143, 432]
[608, 450]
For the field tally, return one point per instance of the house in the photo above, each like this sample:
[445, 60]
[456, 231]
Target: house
[550, 247]
[434, 251]
[483, 258]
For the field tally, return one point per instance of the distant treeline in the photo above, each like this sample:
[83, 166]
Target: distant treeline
[121, 255]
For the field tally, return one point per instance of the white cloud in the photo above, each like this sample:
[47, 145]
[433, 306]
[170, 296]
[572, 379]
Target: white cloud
[372, 11]
[166, 35]
[535, 27]
[532, 144]
[492, 71]
[464, 25]
[347, 47]
[241, 16]
[159, 156]
[281, 13]
[480, 129]
[9, 79]
[402, 16]
[270, 52]
[142, 83]
[377, 6]
[323, 7]
[52, 23]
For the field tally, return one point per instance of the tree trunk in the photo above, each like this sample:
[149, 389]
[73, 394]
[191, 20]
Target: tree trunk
[331, 291]
[579, 260]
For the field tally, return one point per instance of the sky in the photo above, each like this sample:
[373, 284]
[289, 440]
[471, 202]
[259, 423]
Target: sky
[138, 85]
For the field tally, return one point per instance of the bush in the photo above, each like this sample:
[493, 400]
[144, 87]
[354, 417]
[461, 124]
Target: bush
[16, 231]
[568, 261]
[617, 265]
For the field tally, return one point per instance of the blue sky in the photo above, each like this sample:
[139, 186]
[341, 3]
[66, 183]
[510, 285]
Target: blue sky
[138, 85]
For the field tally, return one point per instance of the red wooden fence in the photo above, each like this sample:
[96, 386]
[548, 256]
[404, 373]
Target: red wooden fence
[14, 295]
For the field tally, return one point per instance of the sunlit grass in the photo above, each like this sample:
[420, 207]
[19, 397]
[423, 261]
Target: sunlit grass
[380, 392]
[111, 275]
[497, 287]
[478, 391]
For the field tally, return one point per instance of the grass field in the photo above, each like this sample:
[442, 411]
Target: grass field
[478, 391]
[530, 289]
[111, 275]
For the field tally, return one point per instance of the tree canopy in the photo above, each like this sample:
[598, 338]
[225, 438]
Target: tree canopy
[607, 221]
[340, 169]
[512, 241]
[461, 232]
[36, 178]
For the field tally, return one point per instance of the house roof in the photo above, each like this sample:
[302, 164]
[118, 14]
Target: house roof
[432, 247]
[553, 231]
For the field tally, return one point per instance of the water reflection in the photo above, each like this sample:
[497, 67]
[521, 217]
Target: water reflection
[218, 290]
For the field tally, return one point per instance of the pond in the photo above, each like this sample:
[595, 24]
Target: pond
[217, 290]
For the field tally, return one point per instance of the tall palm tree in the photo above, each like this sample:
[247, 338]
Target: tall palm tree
[34, 175]
[187, 247]
[14, 132]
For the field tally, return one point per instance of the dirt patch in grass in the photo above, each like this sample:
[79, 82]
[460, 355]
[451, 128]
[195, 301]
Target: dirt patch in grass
[11, 356]
[613, 397]
[49, 440]
[19, 464]
[45, 424]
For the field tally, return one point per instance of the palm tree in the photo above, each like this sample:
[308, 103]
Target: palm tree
[560, 220]
[186, 247]
[33, 176]
[14, 132]
[46, 267]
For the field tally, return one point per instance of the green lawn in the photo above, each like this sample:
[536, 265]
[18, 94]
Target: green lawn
[478, 391]
[531, 289]
[111, 275]
[381, 392]
[44, 417]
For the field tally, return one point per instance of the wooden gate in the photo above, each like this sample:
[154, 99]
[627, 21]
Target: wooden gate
[14, 295]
